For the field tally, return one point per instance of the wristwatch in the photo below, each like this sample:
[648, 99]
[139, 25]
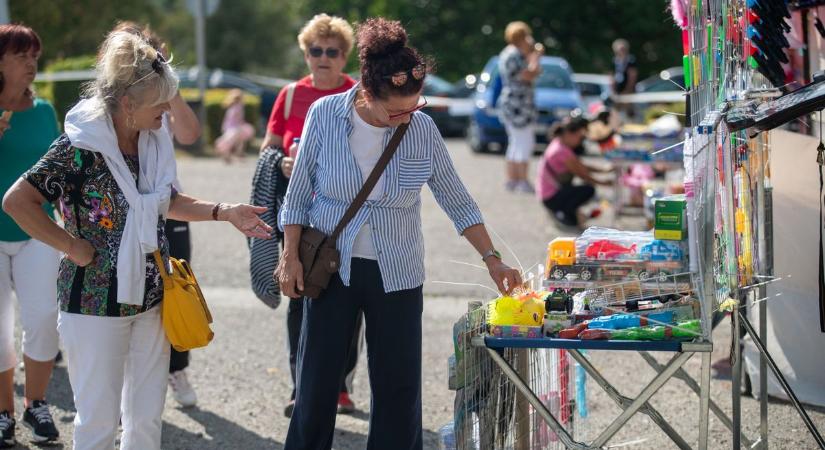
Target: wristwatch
[489, 253]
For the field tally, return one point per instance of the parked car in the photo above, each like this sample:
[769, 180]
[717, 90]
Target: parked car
[441, 96]
[226, 79]
[668, 80]
[556, 97]
[594, 88]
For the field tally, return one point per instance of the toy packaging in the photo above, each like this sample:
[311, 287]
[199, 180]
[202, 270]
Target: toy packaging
[670, 222]
[603, 254]
[555, 322]
[515, 331]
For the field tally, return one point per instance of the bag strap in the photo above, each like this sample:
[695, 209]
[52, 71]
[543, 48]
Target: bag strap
[290, 94]
[820, 159]
[365, 191]
[161, 267]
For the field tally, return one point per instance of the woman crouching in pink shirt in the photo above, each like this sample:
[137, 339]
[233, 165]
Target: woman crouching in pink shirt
[558, 167]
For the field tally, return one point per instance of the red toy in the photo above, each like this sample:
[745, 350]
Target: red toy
[605, 249]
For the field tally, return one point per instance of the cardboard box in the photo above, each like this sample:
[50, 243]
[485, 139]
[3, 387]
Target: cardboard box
[670, 220]
[515, 331]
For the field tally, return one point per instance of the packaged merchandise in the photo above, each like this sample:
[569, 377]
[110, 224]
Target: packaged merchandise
[670, 221]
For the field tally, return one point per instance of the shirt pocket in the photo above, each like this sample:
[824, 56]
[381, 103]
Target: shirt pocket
[413, 173]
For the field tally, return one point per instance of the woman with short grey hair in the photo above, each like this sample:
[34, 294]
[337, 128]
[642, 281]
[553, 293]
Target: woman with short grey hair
[111, 174]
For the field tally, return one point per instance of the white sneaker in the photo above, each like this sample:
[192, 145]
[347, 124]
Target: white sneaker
[182, 390]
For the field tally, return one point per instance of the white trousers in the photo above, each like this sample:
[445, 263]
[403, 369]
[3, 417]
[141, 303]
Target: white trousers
[29, 269]
[521, 142]
[114, 358]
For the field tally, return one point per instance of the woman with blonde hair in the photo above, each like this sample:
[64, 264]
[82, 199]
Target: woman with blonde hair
[236, 131]
[112, 173]
[326, 42]
[518, 66]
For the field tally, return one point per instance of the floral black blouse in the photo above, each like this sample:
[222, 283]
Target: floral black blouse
[93, 208]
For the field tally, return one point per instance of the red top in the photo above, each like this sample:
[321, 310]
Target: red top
[305, 95]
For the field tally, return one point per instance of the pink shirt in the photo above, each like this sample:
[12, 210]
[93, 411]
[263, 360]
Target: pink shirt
[233, 117]
[556, 157]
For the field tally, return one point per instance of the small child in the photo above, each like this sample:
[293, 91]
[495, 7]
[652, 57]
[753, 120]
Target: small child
[236, 131]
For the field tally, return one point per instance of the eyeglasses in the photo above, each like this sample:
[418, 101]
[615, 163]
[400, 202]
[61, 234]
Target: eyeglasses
[400, 78]
[317, 52]
[422, 102]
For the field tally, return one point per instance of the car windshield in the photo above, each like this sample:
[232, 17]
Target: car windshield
[554, 77]
[589, 89]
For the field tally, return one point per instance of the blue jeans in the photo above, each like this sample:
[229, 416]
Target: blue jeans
[393, 332]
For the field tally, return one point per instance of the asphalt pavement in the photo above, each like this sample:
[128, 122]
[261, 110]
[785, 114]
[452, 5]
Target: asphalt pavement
[242, 378]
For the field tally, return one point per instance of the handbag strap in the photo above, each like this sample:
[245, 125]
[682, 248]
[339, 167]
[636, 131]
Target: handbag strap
[365, 191]
[161, 267]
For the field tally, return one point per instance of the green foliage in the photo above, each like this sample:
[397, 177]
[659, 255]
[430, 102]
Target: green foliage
[260, 36]
[213, 99]
[77, 27]
[65, 94]
[462, 35]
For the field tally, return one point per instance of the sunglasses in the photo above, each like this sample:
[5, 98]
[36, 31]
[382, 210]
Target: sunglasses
[400, 78]
[422, 102]
[317, 52]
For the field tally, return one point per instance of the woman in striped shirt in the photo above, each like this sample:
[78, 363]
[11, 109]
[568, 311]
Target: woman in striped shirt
[382, 248]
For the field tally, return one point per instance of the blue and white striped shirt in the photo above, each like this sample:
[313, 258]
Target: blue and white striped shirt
[326, 179]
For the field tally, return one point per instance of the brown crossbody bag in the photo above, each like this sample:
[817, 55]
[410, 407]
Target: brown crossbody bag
[317, 251]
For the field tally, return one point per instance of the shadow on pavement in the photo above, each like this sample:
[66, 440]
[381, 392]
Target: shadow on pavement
[224, 433]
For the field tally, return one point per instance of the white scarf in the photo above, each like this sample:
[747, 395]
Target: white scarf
[90, 129]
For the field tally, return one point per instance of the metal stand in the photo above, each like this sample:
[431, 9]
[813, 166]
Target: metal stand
[778, 374]
[630, 406]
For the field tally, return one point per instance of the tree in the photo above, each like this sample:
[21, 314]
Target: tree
[463, 35]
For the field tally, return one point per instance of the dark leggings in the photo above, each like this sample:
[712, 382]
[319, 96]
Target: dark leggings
[568, 200]
[180, 247]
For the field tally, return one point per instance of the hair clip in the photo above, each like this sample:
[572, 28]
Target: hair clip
[400, 78]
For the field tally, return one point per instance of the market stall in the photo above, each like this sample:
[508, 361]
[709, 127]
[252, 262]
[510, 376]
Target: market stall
[709, 252]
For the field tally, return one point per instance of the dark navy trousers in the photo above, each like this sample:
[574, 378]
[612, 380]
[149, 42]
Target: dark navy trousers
[393, 332]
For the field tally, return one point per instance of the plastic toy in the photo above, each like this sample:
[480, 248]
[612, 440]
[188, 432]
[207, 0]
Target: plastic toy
[660, 250]
[558, 300]
[621, 321]
[604, 250]
[683, 330]
[507, 310]
[609, 260]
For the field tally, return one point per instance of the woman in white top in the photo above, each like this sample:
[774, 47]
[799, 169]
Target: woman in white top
[111, 175]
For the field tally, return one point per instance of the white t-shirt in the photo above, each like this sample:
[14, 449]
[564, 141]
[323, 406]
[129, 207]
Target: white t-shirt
[367, 144]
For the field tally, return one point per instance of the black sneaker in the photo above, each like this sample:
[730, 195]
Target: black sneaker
[6, 430]
[38, 419]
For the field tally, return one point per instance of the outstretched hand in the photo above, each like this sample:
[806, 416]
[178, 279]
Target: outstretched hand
[245, 218]
[505, 277]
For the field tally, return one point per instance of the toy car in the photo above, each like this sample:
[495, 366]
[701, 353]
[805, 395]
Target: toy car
[660, 250]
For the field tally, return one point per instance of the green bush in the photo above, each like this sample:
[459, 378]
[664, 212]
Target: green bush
[64, 94]
[213, 99]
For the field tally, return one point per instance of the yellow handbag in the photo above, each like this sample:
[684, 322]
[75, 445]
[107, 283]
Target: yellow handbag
[186, 316]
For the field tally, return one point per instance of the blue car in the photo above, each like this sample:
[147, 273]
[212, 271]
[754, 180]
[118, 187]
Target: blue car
[556, 97]
[659, 250]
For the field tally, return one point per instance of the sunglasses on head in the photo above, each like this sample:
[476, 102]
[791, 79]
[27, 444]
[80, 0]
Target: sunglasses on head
[422, 102]
[317, 52]
[400, 78]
